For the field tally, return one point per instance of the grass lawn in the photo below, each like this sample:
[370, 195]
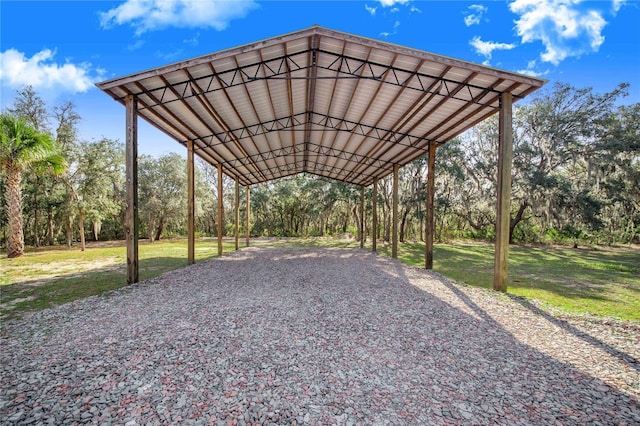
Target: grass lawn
[44, 278]
[600, 281]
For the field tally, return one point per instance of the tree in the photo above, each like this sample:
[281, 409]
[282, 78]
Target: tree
[556, 142]
[612, 175]
[60, 192]
[22, 147]
[452, 187]
[163, 192]
[411, 196]
[30, 107]
[47, 200]
[96, 183]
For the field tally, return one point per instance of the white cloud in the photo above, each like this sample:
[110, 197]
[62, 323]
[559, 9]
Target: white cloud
[564, 28]
[135, 46]
[396, 25]
[389, 3]
[41, 72]
[395, 7]
[617, 5]
[533, 73]
[474, 15]
[149, 15]
[171, 55]
[193, 41]
[486, 48]
[371, 10]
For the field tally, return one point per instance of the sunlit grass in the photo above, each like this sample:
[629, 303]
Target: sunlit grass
[599, 281]
[42, 279]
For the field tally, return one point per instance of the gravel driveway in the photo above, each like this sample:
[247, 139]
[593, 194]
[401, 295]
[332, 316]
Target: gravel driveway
[313, 336]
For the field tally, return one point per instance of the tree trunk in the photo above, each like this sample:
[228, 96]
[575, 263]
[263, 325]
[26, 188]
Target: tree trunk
[403, 223]
[81, 228]
[387, 219]
[516, 220]
[36, 214]
[366, 229]
[345, 222]
[354, 211]
[213, 227]
[68, 196]
[152, 228]
[386, 234]
[96, 229]
[50, 225]
[290, 231]
[159, 229]
[14, 208]
[69, 228]
[50, 222]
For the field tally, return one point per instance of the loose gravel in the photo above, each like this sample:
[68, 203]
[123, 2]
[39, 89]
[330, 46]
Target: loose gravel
[314, 336]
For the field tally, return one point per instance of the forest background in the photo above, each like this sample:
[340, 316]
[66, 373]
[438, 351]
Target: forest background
[575, 179]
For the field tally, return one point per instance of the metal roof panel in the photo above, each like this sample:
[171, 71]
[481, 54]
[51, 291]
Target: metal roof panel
[317, 100]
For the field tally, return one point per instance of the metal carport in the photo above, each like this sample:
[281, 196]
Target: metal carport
[323, 102]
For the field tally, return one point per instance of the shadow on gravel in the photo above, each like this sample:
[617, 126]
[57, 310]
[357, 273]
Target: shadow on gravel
[288, 336]
[622, 356]
[470, 303]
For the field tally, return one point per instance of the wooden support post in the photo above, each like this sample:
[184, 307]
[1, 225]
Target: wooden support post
[191, 231]
[131, 215]
[248, 211]
[503, 208]
[362, 217]
[394, 215]
[374, 213]
[220, 210]
[429, 228]
[237, 214]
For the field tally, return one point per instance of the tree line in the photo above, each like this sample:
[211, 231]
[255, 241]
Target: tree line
[575, 179]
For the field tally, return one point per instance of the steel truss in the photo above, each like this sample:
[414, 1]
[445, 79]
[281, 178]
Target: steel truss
[311, 148]
[284, 67]
[296, 123]
[312, 167]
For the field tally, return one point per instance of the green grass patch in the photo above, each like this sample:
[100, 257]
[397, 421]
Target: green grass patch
[46, 278]
[599, 281]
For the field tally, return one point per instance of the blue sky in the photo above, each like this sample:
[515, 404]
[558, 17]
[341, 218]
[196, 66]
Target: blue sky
[63, 48]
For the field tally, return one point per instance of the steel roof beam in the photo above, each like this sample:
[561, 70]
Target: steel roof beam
[272, 105]
[311, 90]
[417, 107]
[353, 95]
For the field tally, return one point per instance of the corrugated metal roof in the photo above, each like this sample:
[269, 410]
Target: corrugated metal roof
[317, 101]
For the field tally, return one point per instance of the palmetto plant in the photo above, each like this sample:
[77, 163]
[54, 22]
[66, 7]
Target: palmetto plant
[23, 148]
